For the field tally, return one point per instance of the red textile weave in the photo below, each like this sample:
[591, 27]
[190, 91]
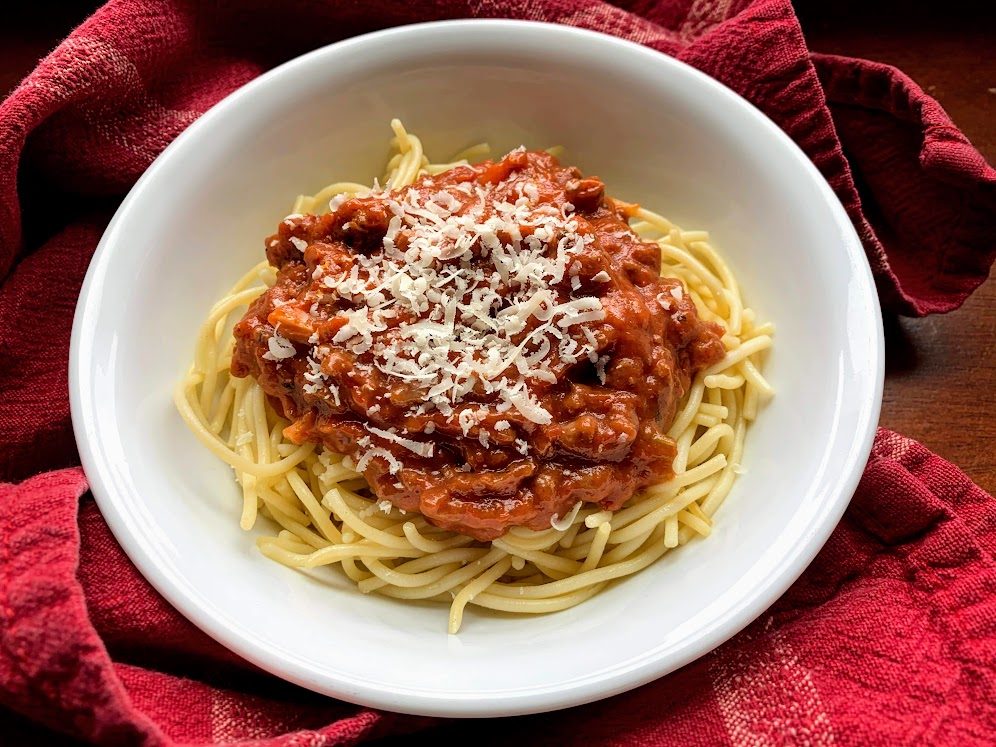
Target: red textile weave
[889, 638]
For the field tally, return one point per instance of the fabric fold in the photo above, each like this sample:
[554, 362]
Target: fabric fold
[887, 637]
[53, 666]
[929, 197]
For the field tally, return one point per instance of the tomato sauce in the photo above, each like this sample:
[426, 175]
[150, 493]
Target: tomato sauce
[607, 414]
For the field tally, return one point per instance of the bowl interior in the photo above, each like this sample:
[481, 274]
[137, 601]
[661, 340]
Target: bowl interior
[657, 133]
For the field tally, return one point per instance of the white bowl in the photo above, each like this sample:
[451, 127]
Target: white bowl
[656, 131]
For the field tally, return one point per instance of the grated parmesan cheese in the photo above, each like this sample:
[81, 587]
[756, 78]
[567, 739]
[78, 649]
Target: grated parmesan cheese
[279, 348]
[416, 447]
[393, 464]
[568, 520]
[478, 285]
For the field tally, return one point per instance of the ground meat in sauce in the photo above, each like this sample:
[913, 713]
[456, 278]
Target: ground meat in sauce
[604, 439]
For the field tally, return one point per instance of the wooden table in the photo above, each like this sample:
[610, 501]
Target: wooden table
[940, 375]
[940, 371]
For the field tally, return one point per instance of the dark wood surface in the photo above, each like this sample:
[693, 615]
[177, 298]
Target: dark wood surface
[940, 376]
[941, 371]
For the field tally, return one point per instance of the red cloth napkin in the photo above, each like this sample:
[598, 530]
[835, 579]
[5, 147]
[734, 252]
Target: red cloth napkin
[889, 638]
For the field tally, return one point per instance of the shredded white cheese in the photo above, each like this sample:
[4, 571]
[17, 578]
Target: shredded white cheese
[394, 464]
[479, 285]
[279, 348]
[416, 447]
[565, 524]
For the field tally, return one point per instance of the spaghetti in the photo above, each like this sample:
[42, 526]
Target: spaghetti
[328, 514]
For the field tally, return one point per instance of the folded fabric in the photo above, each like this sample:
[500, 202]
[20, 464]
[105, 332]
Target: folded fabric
[890, 637]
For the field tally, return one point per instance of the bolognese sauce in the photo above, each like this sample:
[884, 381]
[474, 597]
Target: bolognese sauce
[489, 346]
